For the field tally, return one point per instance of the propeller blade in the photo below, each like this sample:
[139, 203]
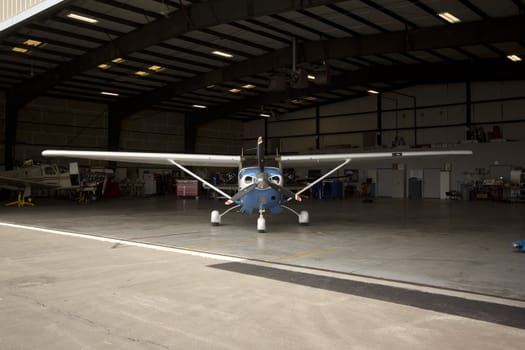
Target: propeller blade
[284, 191]
[260, 154]
[243, 192]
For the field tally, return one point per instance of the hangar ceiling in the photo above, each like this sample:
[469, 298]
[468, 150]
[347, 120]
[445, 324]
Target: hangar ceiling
[238, 59]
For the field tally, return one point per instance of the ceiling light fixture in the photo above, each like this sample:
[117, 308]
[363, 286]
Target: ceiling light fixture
[234, 91]
[266, 115]
[156, 68]
[82, 18]
[141, 73]
[223, 54]
[447, 16]
[200, 106]
[311, 77]
[109, 93]
[514, 58]
[104, 66]
[31, 42]
[373, 92]
[310, 98]
[118, 60]
[20, 50]
[249, 86]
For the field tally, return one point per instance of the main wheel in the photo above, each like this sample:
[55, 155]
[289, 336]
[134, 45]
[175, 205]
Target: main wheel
[215, 218]
[304, 218]
[261, 225]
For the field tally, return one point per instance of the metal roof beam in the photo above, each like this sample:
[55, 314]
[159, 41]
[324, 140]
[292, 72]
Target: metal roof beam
[197, 16]
[491, 69]
[461, 34]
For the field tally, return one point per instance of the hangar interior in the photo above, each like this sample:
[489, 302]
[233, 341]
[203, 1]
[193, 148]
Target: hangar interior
[427, 239]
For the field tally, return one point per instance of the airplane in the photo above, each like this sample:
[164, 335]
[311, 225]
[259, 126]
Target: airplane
[30, 175]
[260, 187]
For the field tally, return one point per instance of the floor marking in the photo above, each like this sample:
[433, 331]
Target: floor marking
[128, 243]
[300, 255]
[221, 244]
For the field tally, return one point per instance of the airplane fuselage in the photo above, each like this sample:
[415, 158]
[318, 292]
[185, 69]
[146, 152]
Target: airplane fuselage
[263, 196]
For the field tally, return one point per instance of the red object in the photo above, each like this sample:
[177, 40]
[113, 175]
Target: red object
[187, 188]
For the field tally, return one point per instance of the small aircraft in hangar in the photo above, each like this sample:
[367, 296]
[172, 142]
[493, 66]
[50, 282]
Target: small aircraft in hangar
[41, 176]
[260, 187]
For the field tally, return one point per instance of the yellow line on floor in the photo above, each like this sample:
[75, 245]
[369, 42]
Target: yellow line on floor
[300, 255]
[220, 244]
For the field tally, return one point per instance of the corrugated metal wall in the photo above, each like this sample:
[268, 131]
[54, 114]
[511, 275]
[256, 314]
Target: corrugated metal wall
[11, 8]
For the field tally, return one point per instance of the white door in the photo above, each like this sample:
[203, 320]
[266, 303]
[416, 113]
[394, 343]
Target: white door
[390, 183]
[431, 178]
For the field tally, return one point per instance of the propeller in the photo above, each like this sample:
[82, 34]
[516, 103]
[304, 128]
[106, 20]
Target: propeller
[261, 180]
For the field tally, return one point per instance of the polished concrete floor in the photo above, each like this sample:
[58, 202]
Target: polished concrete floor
[392, 273]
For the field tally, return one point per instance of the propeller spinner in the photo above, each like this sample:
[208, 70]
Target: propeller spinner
[261, 180]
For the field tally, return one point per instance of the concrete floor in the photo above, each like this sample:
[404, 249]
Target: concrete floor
[393, 273]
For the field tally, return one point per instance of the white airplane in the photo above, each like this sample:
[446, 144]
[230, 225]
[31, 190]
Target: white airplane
[259, 187]
[47, 176]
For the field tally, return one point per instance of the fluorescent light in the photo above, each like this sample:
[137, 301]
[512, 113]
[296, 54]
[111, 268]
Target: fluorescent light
[310, 98]
[141, 73]
[20, 50]
[200, 106]
[311, 77]
[223, 54]
[104, 66]
[118, 60]
[31, 42]
[82, 18]
[109, 93]
[266, 115]
[447, 16]
[514, 58]
[249, 86]
[210, 86]
[374, 92]
[234, 91]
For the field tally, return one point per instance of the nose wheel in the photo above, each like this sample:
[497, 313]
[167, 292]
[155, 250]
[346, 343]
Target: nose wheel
[261, 222]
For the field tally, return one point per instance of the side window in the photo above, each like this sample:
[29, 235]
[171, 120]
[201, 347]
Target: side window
[49, 171]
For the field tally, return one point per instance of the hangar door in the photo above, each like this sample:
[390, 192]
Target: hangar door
[390, 183]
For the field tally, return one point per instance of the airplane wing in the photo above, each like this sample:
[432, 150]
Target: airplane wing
[12, 183]
[151, 158]
[328, 159]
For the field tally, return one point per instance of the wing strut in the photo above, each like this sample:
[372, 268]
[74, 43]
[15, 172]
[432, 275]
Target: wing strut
[189, 172]
[297, 194]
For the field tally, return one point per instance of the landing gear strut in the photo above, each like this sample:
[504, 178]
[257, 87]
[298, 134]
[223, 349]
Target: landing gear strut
[216, 215]
[303, 216]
